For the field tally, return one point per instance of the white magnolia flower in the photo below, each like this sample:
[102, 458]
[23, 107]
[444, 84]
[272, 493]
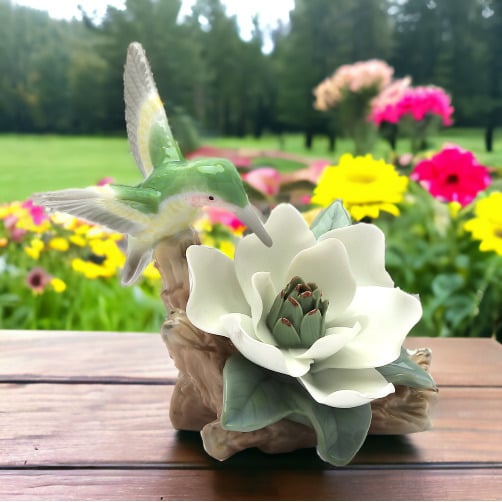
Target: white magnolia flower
[365, 318]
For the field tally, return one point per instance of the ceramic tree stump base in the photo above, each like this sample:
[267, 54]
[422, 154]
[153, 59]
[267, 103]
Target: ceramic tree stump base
[197, 399]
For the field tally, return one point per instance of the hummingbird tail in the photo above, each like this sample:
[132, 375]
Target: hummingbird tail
[139, 255]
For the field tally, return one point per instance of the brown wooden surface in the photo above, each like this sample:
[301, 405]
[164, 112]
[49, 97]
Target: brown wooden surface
[86, 416]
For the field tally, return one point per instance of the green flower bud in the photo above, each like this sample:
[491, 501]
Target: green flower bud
[297, 316]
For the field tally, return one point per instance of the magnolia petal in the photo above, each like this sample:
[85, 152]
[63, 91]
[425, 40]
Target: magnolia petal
[386, 316]
[214, 289]
[329, 344]
[261, 303]
[239, 328]
[365, 245]
[346, 388]
[327, 264]
[290, 235]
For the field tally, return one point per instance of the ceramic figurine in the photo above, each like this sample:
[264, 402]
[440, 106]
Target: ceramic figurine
[295, 343]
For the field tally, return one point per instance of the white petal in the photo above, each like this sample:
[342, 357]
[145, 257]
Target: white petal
[386, 316]
[261, 303]
[327, 265]
[365, 246]
[329, 344]
[290, 235]
[342, 388]
[239, 328]
[214, 289]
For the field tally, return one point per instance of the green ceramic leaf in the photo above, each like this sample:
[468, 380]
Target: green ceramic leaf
[334, 216]
[255, 397]
[252, 397]
[404, 371]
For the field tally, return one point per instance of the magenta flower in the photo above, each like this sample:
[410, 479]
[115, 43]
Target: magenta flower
[224, 217]
[37, 279]
[452, 175]
[417, 102]
[37, 213]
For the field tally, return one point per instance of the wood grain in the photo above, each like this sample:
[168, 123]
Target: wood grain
[253, 483]
[85, 416]
[61, 355]
[84, 424]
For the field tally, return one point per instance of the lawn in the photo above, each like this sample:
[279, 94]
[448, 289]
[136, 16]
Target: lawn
[38, 163]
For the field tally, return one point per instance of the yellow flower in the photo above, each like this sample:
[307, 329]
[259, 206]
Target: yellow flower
[59, 244]
[34, 249]
[486, 226]
[78, 240]
[64, 220]
[151, 272]
[365, 185]
[88, 268]
[58, 285]
[3, 242]
[227, 248]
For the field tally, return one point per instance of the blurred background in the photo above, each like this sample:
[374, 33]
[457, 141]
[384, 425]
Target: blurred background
[255, 82]
[65, 76]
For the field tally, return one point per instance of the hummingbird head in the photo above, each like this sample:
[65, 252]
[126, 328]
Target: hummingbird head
[220, 185]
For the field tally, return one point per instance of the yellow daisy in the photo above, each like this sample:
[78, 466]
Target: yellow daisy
[486, 226]
[365, 185]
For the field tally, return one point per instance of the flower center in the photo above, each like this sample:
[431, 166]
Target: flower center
[362, 178]
[297, 316]
[452, 179]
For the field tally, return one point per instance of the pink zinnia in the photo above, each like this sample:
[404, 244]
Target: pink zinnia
[37, 279]
[452, 175]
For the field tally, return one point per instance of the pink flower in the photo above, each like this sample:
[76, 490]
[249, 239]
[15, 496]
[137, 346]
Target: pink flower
[37, 279]
[358, 77]
[37, 213]
[217, 215]
[105, 181]
[16, 234]
[265, 179]
[234, 155]
[417, 102]
[452, 175]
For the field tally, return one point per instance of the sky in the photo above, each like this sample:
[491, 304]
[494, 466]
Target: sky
[270, 11]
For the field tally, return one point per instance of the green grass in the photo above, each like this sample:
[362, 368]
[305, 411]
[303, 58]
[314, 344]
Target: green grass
[38, 163]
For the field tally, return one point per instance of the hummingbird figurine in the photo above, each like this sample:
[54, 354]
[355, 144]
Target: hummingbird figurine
[174, 189]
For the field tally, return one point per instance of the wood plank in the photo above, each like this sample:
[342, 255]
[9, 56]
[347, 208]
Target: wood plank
[253, 484]
[60, 355]
[126, 425]
[83, 355]
[463, 361]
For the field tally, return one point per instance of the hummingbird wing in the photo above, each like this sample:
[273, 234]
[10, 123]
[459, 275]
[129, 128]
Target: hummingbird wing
[150, 137]
[126, 210]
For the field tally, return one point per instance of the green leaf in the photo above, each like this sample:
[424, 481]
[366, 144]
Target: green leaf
[404, 371]
[334, 216]
[252, 397]
[255, 397]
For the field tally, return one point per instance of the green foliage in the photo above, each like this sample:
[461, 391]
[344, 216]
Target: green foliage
[430, 254]
[255, 397]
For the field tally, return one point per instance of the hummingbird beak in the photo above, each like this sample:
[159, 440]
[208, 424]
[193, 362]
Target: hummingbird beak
[250, 218]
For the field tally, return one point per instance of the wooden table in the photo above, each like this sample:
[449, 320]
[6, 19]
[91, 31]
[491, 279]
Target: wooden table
[85, 416]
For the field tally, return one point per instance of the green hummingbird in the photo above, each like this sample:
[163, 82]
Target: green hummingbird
[174, 189]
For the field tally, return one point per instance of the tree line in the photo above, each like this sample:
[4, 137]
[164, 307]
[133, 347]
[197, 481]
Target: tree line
[66, 76]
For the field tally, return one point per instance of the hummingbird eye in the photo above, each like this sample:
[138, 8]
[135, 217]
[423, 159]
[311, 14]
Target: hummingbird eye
[211, 197]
